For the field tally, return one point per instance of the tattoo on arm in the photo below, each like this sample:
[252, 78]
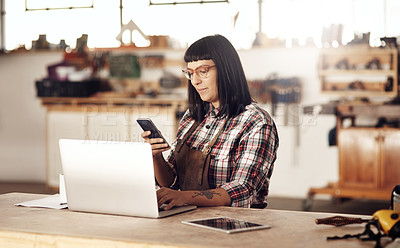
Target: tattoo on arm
[208, 193]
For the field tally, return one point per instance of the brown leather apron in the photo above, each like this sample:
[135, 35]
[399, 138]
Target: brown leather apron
[192, 165]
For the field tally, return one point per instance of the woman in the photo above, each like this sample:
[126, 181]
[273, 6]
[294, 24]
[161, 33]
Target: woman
[226, 144]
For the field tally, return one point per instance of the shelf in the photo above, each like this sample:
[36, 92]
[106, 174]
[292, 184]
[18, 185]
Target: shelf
[114, 101]
[374, 110]
[360, 93]
[335, 72]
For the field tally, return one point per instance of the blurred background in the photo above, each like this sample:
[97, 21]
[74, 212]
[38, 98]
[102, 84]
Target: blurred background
[326, 70]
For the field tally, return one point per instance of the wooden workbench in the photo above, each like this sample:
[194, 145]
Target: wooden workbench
[39, 227]
[104, 118]
[113, 101]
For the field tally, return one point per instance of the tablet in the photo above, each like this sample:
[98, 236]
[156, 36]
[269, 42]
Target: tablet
[226, 224]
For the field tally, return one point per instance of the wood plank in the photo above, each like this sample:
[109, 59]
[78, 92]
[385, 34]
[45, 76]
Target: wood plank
[31, 240]
[339, 192]
[377, 110]
[27, 227]
[48, 101]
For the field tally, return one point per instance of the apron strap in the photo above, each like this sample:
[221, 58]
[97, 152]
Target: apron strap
[207, 149]
[186, 136]
[206, 153]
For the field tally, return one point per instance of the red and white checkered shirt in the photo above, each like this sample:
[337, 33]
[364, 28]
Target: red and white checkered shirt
[243, 156]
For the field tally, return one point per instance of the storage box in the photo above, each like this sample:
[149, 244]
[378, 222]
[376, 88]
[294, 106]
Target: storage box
[124, 66]
[158, 41]
[54, 88]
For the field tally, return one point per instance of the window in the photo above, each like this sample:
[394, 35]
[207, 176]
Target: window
[287, 20]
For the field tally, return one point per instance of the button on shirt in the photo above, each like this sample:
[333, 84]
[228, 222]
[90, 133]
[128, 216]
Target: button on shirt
[243, 156]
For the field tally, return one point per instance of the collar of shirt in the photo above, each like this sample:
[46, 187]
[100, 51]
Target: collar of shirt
[214, 112]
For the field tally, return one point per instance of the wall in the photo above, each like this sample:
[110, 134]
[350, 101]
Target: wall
[22, 119]
[304, 159]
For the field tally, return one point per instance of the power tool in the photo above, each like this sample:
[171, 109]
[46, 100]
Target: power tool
[386, 223]
[389, 221]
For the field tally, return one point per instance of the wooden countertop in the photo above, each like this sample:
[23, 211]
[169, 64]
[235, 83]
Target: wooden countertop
[355, 109]
[39, 227]
[376, 110]
[114, 101]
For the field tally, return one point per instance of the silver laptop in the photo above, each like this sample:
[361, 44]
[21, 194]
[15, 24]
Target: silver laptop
[111, 178]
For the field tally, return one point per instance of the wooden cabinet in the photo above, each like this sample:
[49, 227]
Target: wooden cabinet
[359, 71]
[106, 120]
[369, 158]
[359, 158]
[390, 158]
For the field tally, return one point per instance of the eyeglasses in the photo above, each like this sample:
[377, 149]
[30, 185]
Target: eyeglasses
[201, 71]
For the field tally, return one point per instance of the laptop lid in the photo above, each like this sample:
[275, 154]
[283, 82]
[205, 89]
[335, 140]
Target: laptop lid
[110, 177]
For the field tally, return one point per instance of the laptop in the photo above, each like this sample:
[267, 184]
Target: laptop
[111, 178]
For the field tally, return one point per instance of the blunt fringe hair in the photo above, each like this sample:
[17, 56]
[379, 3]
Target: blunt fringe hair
[233, 90]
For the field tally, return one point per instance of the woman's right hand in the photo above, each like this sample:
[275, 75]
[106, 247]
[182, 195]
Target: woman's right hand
[162, 170]
[158, 145]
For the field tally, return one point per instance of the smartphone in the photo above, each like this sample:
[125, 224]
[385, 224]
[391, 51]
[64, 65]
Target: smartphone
[147, 125]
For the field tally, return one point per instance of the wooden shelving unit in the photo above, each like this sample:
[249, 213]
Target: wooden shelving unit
[359, 71]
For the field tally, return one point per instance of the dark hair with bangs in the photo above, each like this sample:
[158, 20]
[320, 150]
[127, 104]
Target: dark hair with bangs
[233, 91]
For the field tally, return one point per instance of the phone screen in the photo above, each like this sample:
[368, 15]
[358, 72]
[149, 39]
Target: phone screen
[148, 125]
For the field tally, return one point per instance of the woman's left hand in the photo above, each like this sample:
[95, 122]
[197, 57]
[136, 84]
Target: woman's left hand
[171, 197]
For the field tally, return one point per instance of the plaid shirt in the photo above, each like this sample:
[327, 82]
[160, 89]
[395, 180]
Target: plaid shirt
[243, 156]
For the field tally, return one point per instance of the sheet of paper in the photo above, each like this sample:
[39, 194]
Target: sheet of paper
[52, 201]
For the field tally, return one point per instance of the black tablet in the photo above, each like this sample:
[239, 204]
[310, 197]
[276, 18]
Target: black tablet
[226, 224]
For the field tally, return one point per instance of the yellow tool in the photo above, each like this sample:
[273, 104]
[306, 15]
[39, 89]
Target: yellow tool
[389, 220]
[386, 222]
